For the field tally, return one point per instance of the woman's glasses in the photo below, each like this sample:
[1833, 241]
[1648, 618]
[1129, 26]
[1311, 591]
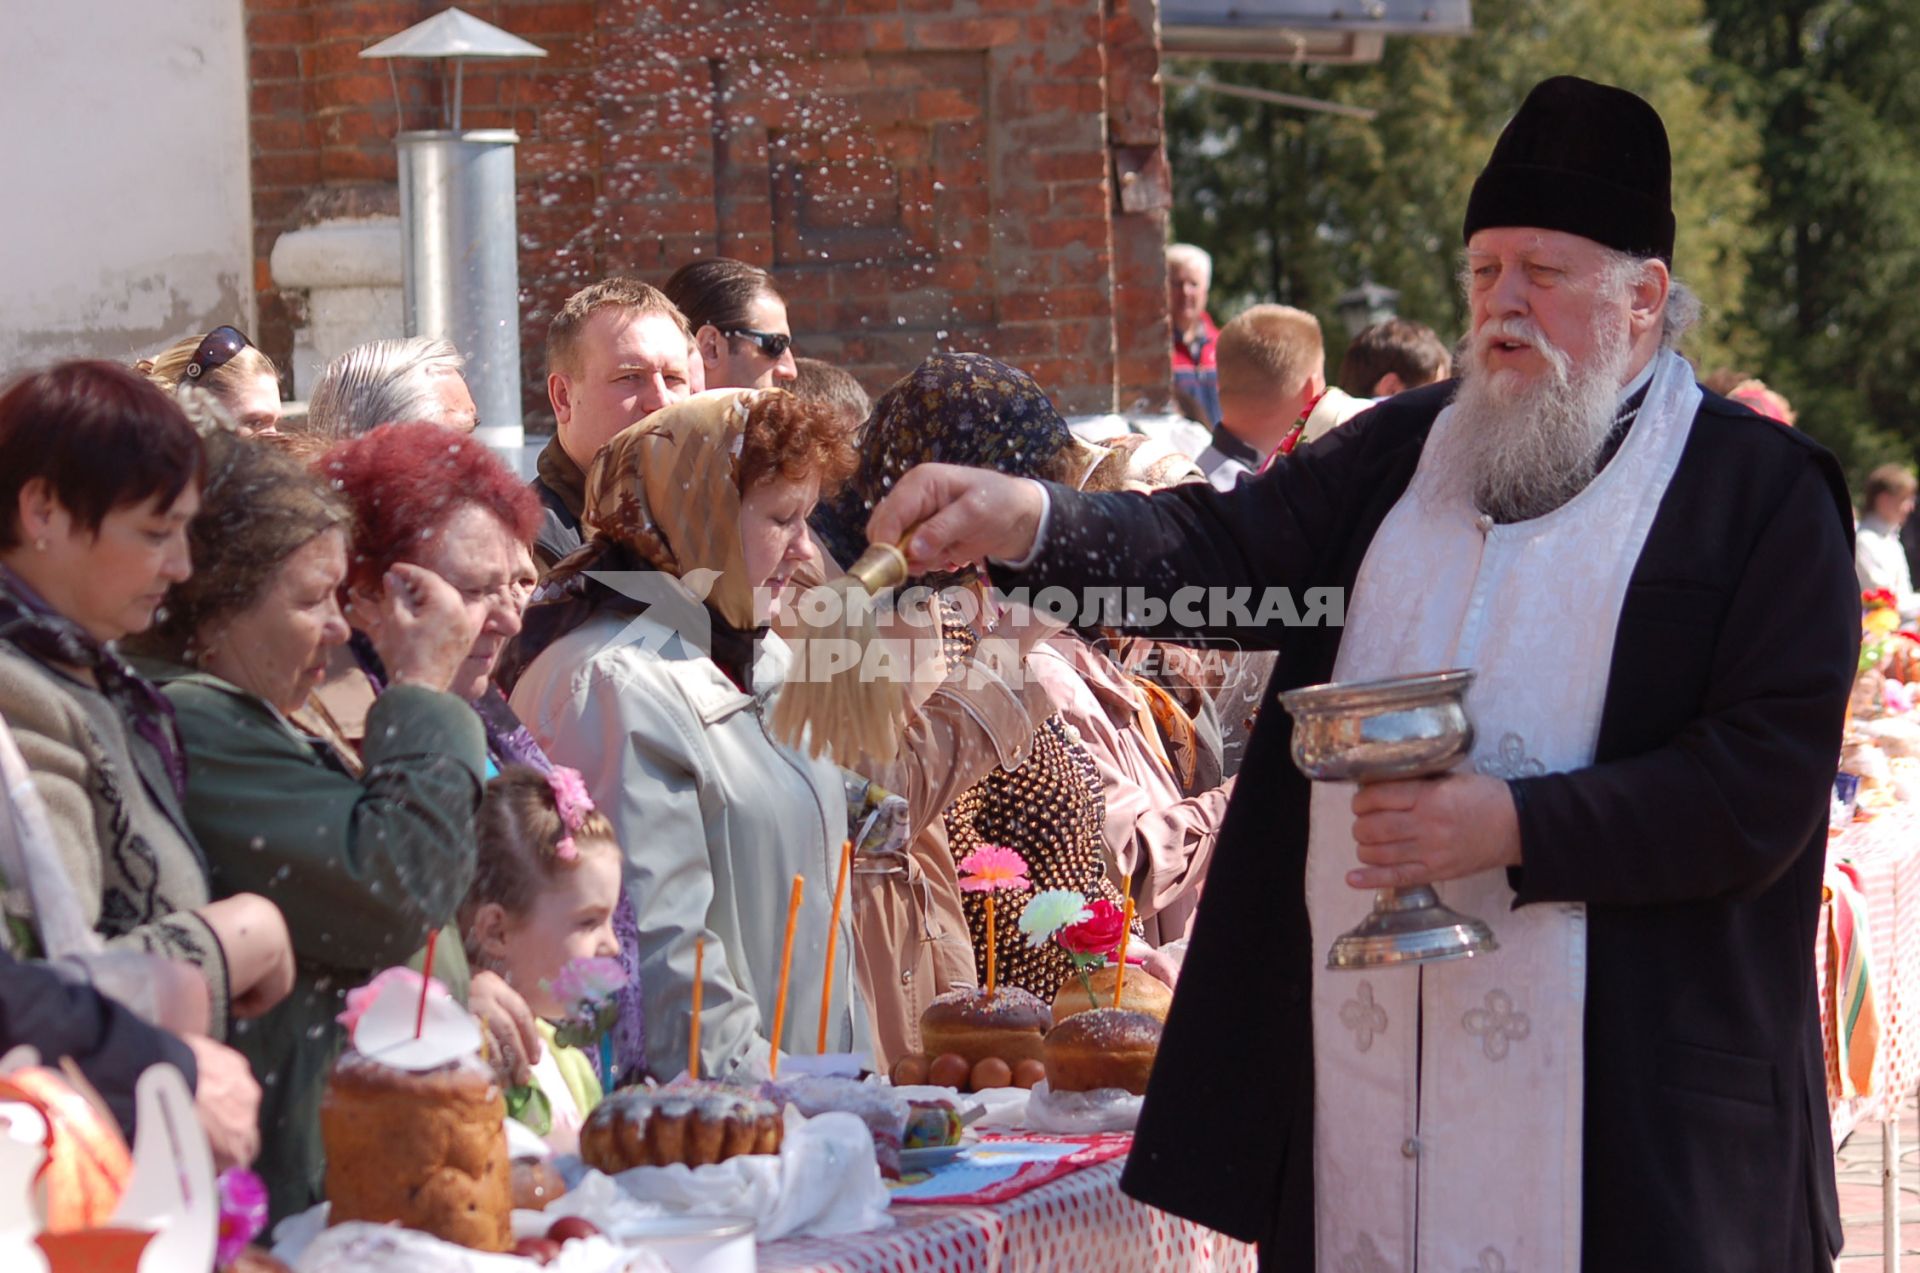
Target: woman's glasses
[219, 348]
[772, 344]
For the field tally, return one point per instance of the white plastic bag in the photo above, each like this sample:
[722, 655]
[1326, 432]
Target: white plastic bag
[1107, 1109]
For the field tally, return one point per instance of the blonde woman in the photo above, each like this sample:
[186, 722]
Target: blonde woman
[225, 363]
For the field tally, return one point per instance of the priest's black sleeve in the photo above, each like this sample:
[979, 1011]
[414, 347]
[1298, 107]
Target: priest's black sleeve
[1203, 560]
[1742, 788]
[63, 1017]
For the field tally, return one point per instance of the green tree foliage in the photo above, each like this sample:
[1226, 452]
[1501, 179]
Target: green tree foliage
[1833, 287]
[1299, 207]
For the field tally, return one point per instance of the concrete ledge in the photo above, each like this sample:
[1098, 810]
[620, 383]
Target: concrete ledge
[359, 253]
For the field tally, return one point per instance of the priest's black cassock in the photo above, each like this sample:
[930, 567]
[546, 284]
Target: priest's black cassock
[1697, 841]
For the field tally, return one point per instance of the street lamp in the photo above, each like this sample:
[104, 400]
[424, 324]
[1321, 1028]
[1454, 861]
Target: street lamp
[460, 241]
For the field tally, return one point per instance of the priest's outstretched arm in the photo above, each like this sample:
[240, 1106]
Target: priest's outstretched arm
[1220, 551]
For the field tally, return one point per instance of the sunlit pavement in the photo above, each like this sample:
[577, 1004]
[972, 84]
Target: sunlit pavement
[1858, 1171]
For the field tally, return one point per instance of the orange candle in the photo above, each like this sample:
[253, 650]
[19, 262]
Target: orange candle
[786, 969]
[1126, 934]
[833, 936]
[699, 984]
[426, 979]
[990, 945]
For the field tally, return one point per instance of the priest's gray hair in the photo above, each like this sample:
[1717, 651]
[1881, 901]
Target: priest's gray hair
[1624, 269]
[381, 382]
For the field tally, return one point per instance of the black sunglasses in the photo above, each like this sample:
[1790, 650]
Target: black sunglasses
[219, 348]
[772, 344]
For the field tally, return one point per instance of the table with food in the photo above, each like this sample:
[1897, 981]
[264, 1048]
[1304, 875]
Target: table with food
[998, 1146]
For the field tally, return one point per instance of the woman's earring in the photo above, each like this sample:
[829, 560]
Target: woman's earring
[40, 544]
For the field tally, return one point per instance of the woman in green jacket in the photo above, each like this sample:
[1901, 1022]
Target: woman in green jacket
[365, 855]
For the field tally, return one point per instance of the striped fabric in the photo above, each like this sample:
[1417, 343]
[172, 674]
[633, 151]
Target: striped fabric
[1854, 1013]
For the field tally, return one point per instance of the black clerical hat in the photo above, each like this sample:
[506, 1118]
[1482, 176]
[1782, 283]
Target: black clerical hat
[1586, 158]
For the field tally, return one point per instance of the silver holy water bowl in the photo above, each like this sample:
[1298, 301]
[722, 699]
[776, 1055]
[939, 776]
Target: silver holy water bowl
[1374, 731]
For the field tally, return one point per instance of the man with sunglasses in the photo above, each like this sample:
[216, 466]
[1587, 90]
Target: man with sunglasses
[739, 320]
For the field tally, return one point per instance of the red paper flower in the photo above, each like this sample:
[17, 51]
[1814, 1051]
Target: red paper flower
[1097, 936]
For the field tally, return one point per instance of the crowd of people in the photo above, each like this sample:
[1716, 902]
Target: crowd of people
[298, 699]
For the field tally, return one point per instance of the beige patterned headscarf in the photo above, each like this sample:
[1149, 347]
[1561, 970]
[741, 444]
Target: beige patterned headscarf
[668, 489]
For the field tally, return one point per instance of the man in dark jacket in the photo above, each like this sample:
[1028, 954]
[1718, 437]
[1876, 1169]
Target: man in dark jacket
[1658, 875]
[617, 352]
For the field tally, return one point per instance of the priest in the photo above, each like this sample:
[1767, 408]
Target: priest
[1655, 588]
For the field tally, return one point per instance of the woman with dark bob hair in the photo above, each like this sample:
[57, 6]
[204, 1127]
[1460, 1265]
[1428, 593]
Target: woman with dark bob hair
[100, 473]
[739, 322]
[658, 692]
[366, 854]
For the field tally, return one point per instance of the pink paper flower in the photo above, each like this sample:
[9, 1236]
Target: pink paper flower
[570, 797]
[587, 983]
[993, 869]
[359, 1000]
[243, 1213]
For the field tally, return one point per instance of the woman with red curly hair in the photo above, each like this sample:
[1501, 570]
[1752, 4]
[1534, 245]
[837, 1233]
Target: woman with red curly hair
[653, 673]
[445, 503]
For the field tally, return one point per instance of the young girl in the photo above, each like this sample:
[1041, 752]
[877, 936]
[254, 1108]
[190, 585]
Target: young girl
[543, 894]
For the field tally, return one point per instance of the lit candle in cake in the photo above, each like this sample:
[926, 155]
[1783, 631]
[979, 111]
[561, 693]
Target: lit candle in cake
[786, 968]
[833, 934]
[699, 983]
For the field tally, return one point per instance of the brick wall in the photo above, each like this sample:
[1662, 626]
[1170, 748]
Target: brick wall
[918, 174]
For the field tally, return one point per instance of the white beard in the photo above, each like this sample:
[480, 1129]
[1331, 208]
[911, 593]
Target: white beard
[1524, 448]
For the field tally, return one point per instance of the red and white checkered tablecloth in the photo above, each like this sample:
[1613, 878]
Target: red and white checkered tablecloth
[1078, 1222]
[1886, 853]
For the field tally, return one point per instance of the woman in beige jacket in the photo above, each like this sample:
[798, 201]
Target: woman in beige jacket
[655, 678]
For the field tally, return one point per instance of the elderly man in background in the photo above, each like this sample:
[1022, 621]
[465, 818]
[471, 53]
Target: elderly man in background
[1189, 276]
[1653, 594]
[617, 352]
[1879, 558]
[389, 381]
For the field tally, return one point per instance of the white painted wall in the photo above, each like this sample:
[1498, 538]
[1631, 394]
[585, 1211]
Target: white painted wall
[125, 212]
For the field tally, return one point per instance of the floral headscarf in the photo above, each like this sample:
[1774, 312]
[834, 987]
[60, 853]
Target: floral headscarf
[663, 495]
[952, 409]
[668, 490]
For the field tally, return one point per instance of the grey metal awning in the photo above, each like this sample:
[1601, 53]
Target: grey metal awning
[454, 33]
[1303, 30]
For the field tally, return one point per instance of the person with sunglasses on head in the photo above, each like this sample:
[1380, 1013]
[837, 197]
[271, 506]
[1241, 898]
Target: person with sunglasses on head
[739, 320]
[226, 364]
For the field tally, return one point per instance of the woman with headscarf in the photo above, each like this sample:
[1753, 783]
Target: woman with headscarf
[970, 409]
[652, 673]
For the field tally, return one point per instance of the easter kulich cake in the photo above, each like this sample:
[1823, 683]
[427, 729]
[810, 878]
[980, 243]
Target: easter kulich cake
[1006, 1026]
[1104, 1048]
[1139, 993]
[694, 1123]
[426, 1150]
